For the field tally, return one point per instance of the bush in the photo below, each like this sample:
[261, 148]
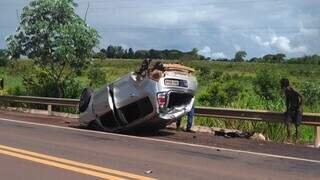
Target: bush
[266, 84]
[3, 92]
[204, 70]
[214, 96]
[215, 75]
[232, 89]
[221, 94]
[39, 83]
[17, 91]
[311, 93]
[72, 88]
[96, 76]
[4, 59]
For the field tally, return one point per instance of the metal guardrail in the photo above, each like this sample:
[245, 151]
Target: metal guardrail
[41, 100]
[258, 115]
[241, 114]
[254, 115]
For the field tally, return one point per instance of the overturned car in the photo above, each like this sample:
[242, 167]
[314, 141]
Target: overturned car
[149, 99]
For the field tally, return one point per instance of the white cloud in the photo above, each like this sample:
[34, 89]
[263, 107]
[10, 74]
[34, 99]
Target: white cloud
[258, 40]
[314, 32]
[237, 47]
[180, 24]
[183, 13]
[218, 55]
[284, 44]
[207, 52]
[165, 17]
[281, 43]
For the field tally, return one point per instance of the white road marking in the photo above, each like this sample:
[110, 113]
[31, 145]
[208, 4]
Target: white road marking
[165, 141]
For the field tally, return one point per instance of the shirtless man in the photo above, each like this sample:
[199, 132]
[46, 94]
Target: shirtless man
[294, 108]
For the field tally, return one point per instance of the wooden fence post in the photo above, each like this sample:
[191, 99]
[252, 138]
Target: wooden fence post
[49, 109]
[317, 136]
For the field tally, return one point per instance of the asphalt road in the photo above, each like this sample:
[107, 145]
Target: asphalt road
[31, 151]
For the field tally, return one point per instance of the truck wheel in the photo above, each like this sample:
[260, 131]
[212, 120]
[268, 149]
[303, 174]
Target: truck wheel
[85, 99]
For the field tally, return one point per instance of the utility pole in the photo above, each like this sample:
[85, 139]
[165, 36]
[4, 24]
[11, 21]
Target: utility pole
[17, 13]
[85, 16]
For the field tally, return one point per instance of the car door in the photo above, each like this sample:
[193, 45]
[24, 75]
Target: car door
[126, 91]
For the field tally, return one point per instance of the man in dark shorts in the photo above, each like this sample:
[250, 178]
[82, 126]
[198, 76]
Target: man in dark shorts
[189, 121]
[294, 108]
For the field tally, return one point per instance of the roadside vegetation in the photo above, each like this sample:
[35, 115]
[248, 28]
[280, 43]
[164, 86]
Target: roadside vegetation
[59, 46]
[241, 85]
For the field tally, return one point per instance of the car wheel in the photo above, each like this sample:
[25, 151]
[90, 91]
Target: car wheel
[96, 125]
[85, 99]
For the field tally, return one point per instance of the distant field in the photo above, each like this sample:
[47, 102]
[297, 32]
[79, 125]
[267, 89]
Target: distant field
[114, 68]
[295, 72]
[242, 74]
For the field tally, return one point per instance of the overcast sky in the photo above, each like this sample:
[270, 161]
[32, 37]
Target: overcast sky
[218, 28]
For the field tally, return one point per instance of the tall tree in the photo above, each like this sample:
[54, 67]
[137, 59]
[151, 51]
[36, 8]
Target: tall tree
[194, 52]
[141, 54]
[118, 52]
[239, 56]
[110, 51]
[3, 57]
[153, 54]
[59, 41]
[130, 53]
[279, 58]
[268, 58]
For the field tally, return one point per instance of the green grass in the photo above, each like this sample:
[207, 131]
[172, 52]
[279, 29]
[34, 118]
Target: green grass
[10, 79]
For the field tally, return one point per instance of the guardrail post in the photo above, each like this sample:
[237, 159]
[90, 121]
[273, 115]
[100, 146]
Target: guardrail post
[49, 109]
[1, 83]
[317, 136]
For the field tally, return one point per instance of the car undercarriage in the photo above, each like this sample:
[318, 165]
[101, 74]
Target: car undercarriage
[149, 98]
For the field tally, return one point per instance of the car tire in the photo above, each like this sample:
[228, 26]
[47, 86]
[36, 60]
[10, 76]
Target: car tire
[85, 99]
[96, 125]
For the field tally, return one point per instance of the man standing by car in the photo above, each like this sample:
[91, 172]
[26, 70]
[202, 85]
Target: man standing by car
[189, 121]
[294, 108]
